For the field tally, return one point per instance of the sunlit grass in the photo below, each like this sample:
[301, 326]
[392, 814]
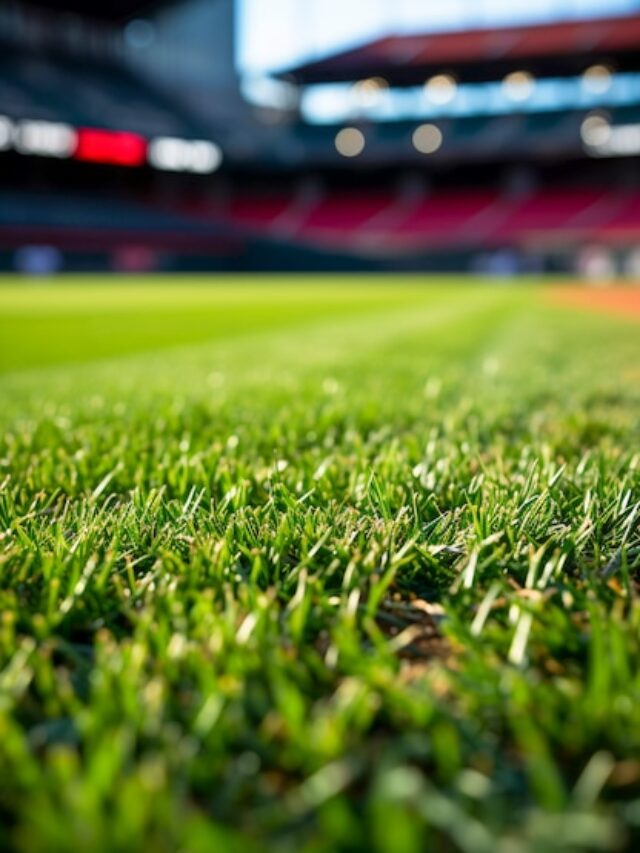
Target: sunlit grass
[317, 565]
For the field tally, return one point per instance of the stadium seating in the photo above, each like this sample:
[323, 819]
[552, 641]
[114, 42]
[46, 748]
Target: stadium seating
[367, 223]
[258, 211]
[341, 220]
[88, 222]
[552, 210]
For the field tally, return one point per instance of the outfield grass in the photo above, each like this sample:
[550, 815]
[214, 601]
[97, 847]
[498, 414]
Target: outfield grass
[316, 566]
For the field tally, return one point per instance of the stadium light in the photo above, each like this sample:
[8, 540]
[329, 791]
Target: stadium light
[603, 140]
[375, 83]
[182, 155]
[441, 89]
[427, 138]
[597, 79]
[595, 130]
[624, 141]
[350, 142]
[519, 85]
[45, 139]
[6, 133]
[367, 93]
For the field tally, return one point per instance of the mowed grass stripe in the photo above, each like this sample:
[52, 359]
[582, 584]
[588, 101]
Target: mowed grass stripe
[78, 320]
[436, 318]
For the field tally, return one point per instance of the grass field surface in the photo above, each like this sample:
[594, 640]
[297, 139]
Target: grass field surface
[316, 565]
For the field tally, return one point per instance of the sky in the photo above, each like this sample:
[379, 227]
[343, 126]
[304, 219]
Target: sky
[275, 34]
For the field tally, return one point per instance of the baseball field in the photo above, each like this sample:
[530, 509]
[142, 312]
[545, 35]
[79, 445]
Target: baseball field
[314, 564]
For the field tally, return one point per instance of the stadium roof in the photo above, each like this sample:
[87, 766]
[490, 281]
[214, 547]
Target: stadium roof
[558, 49]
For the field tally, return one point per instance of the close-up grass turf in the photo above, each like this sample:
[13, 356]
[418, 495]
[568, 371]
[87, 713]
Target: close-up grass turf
[314, 565]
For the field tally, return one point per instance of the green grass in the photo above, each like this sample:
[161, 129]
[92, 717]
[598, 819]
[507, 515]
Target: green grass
[317, 566]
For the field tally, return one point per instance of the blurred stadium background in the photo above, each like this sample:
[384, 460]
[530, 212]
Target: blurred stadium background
[475, 135]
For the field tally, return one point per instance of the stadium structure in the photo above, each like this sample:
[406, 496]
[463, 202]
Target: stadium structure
[492, 148]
